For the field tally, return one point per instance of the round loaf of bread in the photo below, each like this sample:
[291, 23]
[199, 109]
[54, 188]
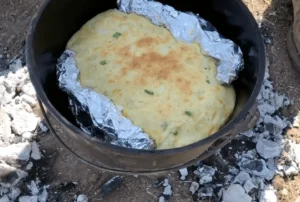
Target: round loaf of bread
[164, 86]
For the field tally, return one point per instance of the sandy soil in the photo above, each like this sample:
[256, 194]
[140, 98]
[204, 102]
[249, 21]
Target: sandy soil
[60, 169]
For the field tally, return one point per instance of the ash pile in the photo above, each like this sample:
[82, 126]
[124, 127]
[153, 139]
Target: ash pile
[19, 127]
[244, 169]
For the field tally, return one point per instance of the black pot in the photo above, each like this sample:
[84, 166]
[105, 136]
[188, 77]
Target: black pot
[57, 20]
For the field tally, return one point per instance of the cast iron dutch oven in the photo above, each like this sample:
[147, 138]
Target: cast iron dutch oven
[57, 20]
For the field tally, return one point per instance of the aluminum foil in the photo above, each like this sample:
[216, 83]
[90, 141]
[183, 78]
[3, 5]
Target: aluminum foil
[191, 28]
[95, 113]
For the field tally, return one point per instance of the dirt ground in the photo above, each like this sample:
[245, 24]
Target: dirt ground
[68, 176]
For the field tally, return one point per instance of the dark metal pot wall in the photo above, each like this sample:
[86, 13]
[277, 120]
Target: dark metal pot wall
[58, 20]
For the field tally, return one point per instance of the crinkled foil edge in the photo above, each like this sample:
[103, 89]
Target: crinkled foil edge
[95, 113]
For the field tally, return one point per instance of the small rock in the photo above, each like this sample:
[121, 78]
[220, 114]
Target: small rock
[184, 173]
[23, 122]
[205, 179]
[14, 193]
[44, 195]
[35, 154]
[291, 170]
[33, 188]
[4, 199]
[236, 193]
[255, 167]
[242, 177]
[29, 166]
[248, 186]
[268, 149]
[29, 100]
[28, 199]
[268, 196]
[167, 191]
[19, 175]
[43, 127]
[194, 187]
[82, 198]
[15, 152]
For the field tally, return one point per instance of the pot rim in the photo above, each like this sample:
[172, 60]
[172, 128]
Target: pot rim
[29, 52]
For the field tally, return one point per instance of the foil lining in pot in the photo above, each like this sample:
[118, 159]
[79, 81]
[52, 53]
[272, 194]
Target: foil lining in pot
[95, 113]
[190, 28]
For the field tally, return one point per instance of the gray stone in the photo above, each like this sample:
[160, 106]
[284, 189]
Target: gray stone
[35, 154]
[23, 122]
[268, 149]
[235, 193]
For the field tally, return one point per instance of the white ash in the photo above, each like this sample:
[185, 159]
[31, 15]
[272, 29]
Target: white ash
[82, 198]
[18, 128]
[184, 173]
[257, 163]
